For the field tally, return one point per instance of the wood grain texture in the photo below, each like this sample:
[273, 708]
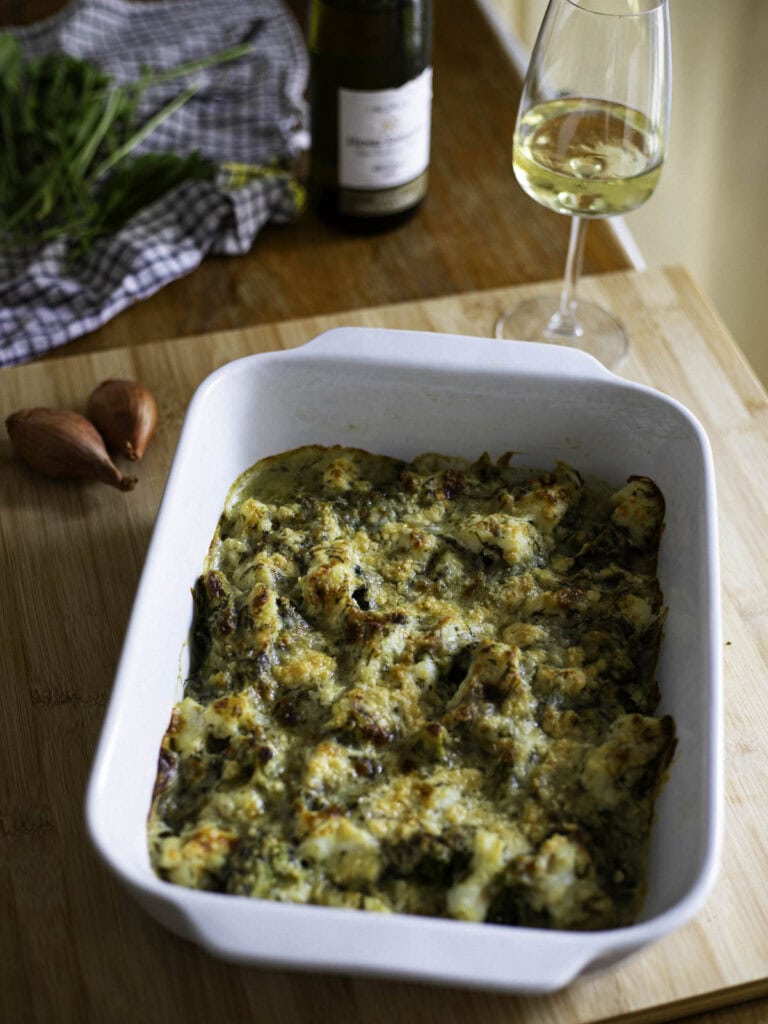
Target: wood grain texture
[73, 945]
[477, 229]
[754, 1012]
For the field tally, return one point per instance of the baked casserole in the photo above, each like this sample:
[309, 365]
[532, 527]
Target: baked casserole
[424, 687]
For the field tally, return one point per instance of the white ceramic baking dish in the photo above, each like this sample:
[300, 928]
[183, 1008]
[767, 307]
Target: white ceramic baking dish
[401, 393]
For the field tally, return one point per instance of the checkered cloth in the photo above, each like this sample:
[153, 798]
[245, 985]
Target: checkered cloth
[250, 111]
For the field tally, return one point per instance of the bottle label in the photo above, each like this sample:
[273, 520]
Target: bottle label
[384, 135]
[382, 202]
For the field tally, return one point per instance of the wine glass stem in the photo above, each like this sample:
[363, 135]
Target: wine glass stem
[564, 324]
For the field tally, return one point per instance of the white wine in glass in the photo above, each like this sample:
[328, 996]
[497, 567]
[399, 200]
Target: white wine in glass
[589, 142]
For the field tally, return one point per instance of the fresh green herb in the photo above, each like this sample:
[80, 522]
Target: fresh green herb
[69, 131]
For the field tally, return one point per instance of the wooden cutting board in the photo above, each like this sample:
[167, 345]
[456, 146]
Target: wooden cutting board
[74, 945]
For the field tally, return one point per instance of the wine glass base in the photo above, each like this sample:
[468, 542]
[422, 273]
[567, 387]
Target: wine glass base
[597, 332]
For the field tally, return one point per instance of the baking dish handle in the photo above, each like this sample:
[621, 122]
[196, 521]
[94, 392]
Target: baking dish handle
[453, 352]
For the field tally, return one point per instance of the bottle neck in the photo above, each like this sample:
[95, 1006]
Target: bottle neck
[370, 28]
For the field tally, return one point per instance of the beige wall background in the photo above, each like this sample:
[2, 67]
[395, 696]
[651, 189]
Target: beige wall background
[710, 210]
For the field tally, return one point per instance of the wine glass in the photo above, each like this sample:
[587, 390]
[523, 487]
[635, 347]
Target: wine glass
[589, 142]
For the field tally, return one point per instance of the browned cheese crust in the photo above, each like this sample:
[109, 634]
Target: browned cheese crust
[425, 687]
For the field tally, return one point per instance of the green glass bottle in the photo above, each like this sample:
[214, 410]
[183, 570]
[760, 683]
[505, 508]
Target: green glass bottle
[370, 94]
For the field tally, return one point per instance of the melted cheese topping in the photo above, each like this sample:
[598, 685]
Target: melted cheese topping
[422, 687]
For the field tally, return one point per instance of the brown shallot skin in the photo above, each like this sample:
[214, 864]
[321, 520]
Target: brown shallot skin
[64, 445]
[125, 413]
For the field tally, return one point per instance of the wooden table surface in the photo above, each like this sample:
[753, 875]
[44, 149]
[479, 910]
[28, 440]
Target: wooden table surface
[77, 948]
[73, 947]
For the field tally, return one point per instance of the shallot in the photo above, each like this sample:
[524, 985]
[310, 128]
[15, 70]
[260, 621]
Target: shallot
[125, 413]
[63, 444]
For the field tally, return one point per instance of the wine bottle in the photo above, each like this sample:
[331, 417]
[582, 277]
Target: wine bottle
[370, 95]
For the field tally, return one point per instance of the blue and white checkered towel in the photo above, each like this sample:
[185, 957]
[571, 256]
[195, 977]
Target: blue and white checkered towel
[250, 111]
